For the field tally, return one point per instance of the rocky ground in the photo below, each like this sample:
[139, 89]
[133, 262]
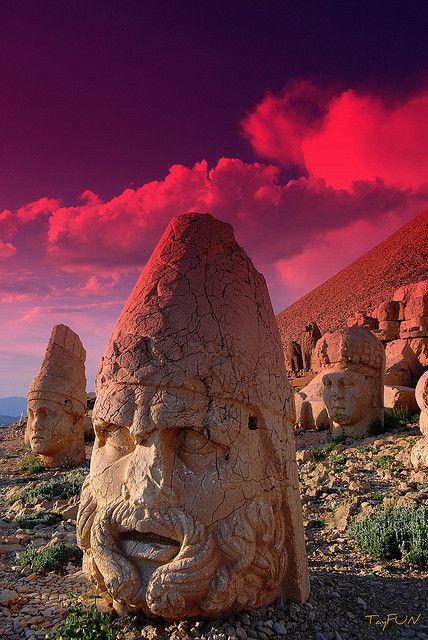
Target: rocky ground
[352, 596]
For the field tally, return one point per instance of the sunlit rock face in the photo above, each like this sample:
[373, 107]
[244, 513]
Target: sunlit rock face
[354, 380]
[419, 453]
[56, 401]
[192, 505]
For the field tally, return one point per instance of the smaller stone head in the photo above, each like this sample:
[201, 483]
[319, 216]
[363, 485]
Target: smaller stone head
[56, 401]
[353, 383]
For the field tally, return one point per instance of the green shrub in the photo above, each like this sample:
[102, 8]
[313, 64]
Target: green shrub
[85, 622]
[376, 495]
[49, 559]
[63, 487]
[326, 450]
[33, 519]
[398, 417]
[389, 463]
[31, 464]
[397, 532]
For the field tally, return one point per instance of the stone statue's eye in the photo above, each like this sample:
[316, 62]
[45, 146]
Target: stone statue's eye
[119, 439]
[252, 423]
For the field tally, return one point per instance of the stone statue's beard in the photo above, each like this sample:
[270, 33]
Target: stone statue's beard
[234, 564]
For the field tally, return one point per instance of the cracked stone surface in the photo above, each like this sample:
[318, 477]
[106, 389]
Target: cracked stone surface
[350, 382]
[192, 505]
[56, 401]
[419, 454]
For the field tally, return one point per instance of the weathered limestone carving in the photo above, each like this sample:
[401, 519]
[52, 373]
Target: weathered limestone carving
[57, 401]
[353, 387]
[192, 504]
[419, 453]
[309, 339]
[295, 356]
[311, 412]
[350, 364]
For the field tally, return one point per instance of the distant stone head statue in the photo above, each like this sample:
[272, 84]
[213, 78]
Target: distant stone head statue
[353, 382]
[56, 401]
[192, 505]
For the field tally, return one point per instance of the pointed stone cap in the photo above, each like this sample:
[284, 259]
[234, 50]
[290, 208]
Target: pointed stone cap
[62, 375]
[199, 318]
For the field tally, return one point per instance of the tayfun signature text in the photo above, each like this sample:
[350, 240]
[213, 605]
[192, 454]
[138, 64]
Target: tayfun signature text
[392, 618]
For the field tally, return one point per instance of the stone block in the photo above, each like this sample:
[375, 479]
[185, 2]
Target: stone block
[395, 397]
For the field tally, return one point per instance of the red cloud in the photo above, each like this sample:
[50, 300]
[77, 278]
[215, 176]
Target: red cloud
[272, 220]
[352, 136]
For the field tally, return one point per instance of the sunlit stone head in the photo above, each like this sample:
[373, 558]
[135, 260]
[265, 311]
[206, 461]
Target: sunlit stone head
[192, 505]
[353, 382]
[56, 401]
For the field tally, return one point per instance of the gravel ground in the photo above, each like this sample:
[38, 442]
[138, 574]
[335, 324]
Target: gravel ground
[351, 596]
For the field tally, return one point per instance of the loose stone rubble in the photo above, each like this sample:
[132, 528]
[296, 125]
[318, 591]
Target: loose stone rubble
[57, 401]
[192, 505]
[420, 450]
[346, 587]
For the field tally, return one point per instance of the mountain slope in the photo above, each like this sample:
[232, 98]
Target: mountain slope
[400, 259]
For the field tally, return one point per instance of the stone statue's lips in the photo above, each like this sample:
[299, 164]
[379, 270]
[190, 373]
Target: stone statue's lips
[149, 547]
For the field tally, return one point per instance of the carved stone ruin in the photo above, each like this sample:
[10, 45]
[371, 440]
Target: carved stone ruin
[419, 453]
[353, 386]
[309, 339]
[56, 401]
[192, 504]
[295, 356]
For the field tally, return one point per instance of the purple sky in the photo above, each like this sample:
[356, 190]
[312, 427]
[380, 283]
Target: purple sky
[312, 119]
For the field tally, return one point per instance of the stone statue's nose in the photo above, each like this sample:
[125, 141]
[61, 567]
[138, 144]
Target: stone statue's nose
[151, 470]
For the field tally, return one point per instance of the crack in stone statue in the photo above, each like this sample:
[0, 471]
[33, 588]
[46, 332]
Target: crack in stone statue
[56, 401]
[192, 504]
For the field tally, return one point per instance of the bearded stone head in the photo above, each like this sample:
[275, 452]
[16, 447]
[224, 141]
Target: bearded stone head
[354, 380]
[192, 505]
[56, 401]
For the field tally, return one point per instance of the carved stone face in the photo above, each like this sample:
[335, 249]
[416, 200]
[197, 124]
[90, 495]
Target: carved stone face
[49, 427]
[347, 396]
[177, 475]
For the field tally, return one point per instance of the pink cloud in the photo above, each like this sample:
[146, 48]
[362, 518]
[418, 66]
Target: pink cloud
[6, 249]
[34, 210]
[352, 136]
[271, 219]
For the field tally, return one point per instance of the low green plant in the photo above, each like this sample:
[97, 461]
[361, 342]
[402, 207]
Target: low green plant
[398, 417]
[45, 518]
[49, 559]
[328, 447]
[397, 532]
[85, 622]
[376, 495]
[389, 463]
[10, 456]
[337, 462]
[366, 448]
[31, 464]
[63, 487]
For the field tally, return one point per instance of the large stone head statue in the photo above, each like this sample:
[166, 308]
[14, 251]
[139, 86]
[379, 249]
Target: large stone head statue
[192, 505]
[56, 401]
[353, 383]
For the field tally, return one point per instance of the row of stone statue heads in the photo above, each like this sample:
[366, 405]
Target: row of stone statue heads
[192, 506]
